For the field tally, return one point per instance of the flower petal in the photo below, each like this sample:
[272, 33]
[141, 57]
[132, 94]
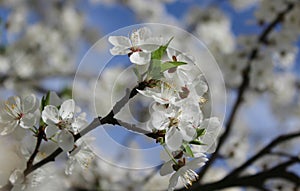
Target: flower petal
[197, 163]
[51, 130]
[65, 140]
[187, 131]
[8, 128]
[67, 109]
[166, 168]
[212, 126]
[173, 139]
[30, 104]
[78, 124]
[119, 50]
[173, 181]
[120, 41]
[50, 115]
[28, 120]
[140, 58]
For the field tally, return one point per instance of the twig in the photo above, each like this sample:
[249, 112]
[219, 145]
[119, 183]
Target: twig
[243, 87]
[266, 150]
[40, 136]
[108, 119]
[255, 181]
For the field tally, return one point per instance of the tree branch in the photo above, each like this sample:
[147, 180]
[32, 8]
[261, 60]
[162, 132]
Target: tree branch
[40, 135]
[266, 150]
[108, 119]
[255, 181]
[243, 87]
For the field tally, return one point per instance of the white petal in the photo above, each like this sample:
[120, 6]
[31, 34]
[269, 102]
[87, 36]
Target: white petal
[173, 139]
[173, 181]
[5, 116]
[119, 51]
[159, 121]
[67, 109]
[166, 168]
[188, 132]
[212, 127]
[201, 87]
[51, 130]
[197, 163]
[28, 120]
[143, 33]
[13, 105]
[8, 127]
[140, 58]
[30, 104]
[50, 115]
[78, 124]
[120, 41]
[171, 52]
[65, 140]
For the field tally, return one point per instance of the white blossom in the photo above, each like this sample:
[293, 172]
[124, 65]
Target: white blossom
[137, 46]
[18, 112]
[63, 123]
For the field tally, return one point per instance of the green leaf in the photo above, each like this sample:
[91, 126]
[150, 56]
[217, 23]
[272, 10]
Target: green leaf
[188, 150]
[200, 132]
[155, 72]
[197, 142]
[45, 100]
[170, 64]
[158, 53]
[155, 68]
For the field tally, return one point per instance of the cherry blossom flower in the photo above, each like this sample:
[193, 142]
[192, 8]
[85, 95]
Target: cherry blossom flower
[81, 155]
[18, 112]
[184, 171]
[63, 123]
[137, 46]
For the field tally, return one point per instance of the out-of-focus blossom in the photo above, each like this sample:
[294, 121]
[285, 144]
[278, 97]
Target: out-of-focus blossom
[18, 112]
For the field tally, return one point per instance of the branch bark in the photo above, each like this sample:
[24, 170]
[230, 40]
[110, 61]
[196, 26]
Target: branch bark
[262, 39]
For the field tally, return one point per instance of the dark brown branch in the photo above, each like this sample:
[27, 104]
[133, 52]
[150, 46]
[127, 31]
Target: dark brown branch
[243, 87]
[40, 135]
[264, 151]
[255, 181]
[108, 119]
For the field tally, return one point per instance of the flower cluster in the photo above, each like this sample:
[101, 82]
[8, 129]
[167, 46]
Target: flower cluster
[179, 90]
[50, 120]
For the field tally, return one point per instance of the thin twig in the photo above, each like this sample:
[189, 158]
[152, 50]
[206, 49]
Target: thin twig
[266, 150]
[243, 87]
[40, 135]
[255, 181]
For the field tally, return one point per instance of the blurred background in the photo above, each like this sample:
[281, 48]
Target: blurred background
[254, 42]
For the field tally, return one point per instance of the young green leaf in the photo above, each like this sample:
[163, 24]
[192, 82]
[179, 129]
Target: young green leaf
[158, 53]
[170, 64]
[197, 142]
[200, 132]
[45, 100]
[188, 150]
[155, 72]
